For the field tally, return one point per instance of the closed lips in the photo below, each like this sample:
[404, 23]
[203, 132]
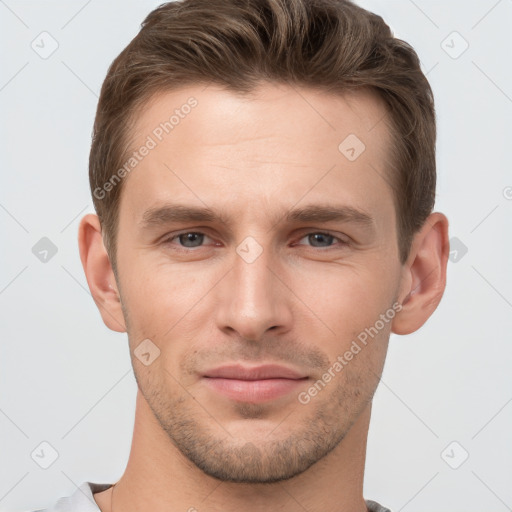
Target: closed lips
[263, 372]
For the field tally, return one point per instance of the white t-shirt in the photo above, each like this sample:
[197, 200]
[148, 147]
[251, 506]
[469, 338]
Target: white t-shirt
[82, 500]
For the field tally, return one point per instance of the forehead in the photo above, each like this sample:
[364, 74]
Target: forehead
[250, 153]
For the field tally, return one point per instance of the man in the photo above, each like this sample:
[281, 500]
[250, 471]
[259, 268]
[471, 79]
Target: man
[264, 178]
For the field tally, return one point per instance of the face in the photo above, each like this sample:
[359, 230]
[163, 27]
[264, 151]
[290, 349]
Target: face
[257, 250]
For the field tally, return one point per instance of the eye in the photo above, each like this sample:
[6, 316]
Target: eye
[188, 239]
[322, 239]
[195, 239]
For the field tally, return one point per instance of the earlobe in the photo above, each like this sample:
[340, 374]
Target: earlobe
[99, 274]
[424, 278]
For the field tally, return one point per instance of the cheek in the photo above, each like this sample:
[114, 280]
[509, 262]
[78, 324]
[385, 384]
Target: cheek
[166, 304]
[159, 295]
[351, 304]
[345, 299]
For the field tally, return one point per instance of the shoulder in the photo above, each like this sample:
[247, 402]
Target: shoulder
[373, 506]
[82, 499]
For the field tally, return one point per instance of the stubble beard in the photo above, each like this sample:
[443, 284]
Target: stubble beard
[289, 449]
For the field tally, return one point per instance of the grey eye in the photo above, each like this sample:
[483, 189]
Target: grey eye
[319, 239]
[191, 239]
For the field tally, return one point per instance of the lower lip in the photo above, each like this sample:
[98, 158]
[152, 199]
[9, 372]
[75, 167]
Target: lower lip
[253, 391]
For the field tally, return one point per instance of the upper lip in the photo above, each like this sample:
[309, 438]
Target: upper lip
[267, 371]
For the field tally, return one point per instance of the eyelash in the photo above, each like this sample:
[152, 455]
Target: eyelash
[342, 242]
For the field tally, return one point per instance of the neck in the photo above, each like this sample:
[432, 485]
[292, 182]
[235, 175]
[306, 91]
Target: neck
[159, 477]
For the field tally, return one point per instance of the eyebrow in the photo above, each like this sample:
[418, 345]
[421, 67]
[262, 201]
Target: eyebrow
[178, 213]
[169, 213]
[320, 213]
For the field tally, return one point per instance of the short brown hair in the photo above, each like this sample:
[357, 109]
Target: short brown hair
[331, 45]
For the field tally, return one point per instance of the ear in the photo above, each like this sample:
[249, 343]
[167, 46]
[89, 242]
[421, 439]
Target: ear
[99, 273]
[424, 275]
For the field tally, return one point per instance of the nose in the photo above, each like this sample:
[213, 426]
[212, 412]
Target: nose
[253, 299]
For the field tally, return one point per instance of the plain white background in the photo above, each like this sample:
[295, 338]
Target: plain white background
[65, 379]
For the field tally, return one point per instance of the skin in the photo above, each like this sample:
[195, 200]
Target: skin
[300, 304]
